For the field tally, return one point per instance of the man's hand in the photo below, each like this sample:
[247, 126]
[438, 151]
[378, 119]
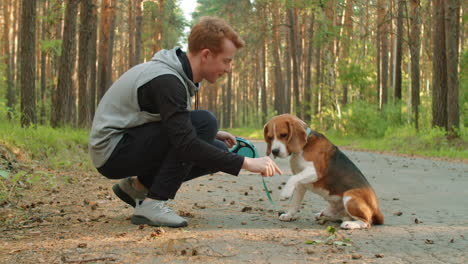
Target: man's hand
[227, 138]
[265, 166]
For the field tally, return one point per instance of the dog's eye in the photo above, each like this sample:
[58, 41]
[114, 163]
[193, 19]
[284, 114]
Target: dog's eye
[270, 138]
[283, 135]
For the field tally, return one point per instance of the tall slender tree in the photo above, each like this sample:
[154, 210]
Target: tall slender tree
[383, 44]
[10, 95]
[28, 62]
[399, 50]
[280, 99]
[131, 33]
[63, 103]
[104, 43]
[92, 48]
[138, 29]
[415, 45]
[295, 64]
[439, 67]
[86, 9]
[452, 36]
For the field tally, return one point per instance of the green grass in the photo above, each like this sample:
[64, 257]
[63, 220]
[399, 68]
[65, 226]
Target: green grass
[54, 148]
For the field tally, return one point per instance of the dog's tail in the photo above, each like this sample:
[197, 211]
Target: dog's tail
[377, 218]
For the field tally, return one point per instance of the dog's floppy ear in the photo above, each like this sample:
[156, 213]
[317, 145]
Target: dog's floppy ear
[265, 137]
[297, 135]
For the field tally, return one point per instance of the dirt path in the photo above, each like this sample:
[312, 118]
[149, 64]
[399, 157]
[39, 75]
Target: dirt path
[232, 221]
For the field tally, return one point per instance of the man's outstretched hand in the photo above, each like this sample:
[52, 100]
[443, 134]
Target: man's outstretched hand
[264, 165]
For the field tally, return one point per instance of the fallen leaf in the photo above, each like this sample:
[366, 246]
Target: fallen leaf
[429, 241]
[246, 209]
[82, 245]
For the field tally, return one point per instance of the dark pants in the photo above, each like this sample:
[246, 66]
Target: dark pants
[145, 151]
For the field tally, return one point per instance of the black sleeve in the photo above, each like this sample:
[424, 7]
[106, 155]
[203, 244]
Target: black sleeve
[167, 96]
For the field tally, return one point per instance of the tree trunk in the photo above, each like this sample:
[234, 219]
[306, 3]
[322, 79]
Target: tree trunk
[131, 34]
[92, 48]
[104, 39]
[318, 84]
[7, 58]
[228, 102]
[110, 48]
[452, 30]
[287, 76]
[439, 67]
[399, 50]
[415, 44]
[279, 86]
[348, 24]
[159, 27]
[383, 29]
[264, 67]
[43, 72]
[86, 9]
[295, 64]
[138, 29]
[28, 63]
[61, 110]
[308, 86]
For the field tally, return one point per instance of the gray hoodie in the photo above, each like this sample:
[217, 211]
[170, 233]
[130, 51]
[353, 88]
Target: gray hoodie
[119, 108]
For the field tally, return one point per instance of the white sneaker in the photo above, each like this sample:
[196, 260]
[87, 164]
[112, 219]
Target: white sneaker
[156, 213]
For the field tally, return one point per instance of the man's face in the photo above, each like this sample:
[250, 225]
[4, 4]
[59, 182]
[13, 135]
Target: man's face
[216, 65]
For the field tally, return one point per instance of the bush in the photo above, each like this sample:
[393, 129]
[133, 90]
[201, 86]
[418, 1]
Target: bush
[363, 120]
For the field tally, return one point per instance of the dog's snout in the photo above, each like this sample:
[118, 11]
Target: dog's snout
[275, 151]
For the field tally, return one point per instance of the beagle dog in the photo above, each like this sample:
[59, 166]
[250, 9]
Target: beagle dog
[319, 166]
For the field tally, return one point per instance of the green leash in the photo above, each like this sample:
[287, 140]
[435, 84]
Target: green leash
[268, 192]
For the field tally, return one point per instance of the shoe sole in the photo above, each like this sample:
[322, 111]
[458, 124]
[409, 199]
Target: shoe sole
[141, 220]
[123, 195]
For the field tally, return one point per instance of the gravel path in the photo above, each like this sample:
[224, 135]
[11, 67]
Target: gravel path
[231, 221]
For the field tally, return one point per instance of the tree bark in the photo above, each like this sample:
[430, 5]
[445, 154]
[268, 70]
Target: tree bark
[264, 67]
[383, 29]
[415, 45]
[104, 39]
[110, 48]
[92, 48]
[295, 64]
[139, 22]
[308, 86]
[439, 67]
[7, 60]
[399, 50]
[131, 34]
[61, 108]
[279, 86]
[452, 30]
[28, 63]
[86, 9]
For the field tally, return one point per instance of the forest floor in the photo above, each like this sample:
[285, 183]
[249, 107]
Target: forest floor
[424, 202]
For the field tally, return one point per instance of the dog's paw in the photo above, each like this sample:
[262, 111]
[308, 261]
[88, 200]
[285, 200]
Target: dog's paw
[354, 225]
[287, 217]
[287, 192]
[319, 216]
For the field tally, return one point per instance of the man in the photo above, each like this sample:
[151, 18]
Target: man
[143, 126]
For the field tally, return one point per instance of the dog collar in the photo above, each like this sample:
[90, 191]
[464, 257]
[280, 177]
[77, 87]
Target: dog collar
[309, 131]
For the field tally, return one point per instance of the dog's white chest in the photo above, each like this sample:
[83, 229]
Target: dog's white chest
[298, 163]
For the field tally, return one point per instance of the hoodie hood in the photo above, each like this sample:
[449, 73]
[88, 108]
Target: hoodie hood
[169, 58]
